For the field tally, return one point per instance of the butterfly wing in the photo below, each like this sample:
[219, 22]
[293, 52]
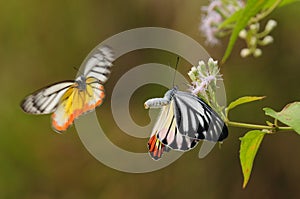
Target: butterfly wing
[85, 96]
[165, 134]
[196, 119]
[76, 102]
[45, 100]
[155, 146]
[98, 66]
[70, 99]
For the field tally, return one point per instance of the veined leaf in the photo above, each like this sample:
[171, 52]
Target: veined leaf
[242, 100]
[289, 115]
[249, 146]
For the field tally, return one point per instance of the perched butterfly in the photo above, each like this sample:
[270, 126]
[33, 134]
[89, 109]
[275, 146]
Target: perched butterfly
[68, 100]
[184, 120]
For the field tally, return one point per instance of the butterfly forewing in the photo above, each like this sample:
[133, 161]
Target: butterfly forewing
[183, 121]
[45, 101]
[196, 119]
[98, 66]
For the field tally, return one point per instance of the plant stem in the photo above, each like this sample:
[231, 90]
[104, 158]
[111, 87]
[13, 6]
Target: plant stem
[267, 12]
[257, 126]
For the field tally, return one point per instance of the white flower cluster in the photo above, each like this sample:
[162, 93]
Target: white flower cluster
[213, 28]
[204, 77]
[254, 38]
[215, 13]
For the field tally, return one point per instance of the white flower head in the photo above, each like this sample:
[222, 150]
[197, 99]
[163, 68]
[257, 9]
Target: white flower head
[215, 13]
[209, 27]
[197, 87]
[206, 76]
[255, 38]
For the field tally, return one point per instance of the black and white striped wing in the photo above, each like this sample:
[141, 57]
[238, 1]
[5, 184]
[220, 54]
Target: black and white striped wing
[98, 66]
[45, 100]
[165, 134]
[196, 119]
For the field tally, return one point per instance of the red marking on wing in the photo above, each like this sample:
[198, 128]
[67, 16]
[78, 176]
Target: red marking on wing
[156, 147]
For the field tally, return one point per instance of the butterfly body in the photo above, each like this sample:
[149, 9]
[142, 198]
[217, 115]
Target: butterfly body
[160, 102]
[69, 99]
[185, 119]
[81, 83]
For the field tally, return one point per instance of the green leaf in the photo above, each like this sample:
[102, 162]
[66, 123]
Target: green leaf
[286, 2]
[231, 20]
[271, 3]
[289, 115]
[242, 100]
[251, 9]
[249, 146]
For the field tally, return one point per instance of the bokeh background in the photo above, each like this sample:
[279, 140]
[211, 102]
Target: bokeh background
[41, 42]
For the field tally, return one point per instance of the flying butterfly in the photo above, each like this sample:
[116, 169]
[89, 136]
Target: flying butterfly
[184, 120]
[67, 100]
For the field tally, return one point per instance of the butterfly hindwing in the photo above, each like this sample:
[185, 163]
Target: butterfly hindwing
[184, 120]
[76, 102]
[156, 147]
[96, 90]
[196, 119]
[165, 134]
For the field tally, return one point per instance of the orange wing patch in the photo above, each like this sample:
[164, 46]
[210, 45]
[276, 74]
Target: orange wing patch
[77, 102]
[156, 147]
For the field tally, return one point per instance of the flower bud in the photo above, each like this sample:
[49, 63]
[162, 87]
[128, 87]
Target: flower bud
[254, 27]
[194, 69]
[245, 52]
[192, 76]
[211, 62]
[267, 40]
[201, 63]
[243, 34]
[257, 52]
[271, 25]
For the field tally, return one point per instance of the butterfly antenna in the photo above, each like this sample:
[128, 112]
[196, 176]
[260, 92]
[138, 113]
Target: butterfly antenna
[77, 69]
[177, 61]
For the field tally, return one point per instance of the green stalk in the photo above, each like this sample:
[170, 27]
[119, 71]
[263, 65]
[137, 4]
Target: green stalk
[266, 13]
[257, 126]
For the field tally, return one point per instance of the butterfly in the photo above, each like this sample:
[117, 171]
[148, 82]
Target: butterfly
[184, 120]
[67, 100]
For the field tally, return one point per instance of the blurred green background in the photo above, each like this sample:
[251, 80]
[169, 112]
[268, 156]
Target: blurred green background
[41, 42]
